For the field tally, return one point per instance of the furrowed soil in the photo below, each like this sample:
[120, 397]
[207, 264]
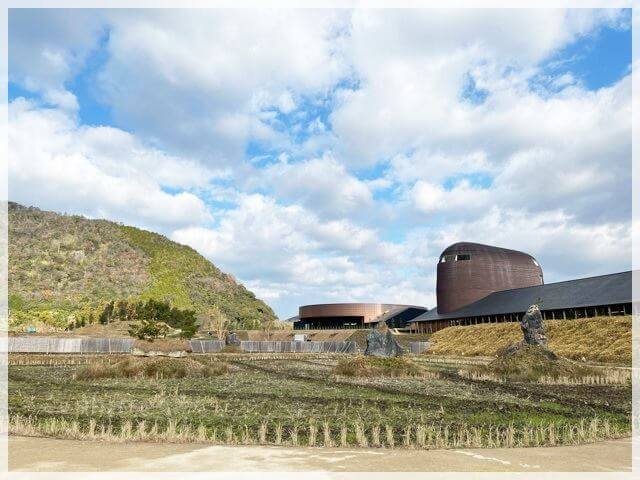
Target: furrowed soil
[298, 400]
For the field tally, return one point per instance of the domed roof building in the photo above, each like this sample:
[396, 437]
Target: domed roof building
[484, 284]
[470, 271]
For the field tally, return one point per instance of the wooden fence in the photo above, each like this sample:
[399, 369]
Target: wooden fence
[69, 345]
[125, 345]
[298, 347]
[418, 347]
[206, 346]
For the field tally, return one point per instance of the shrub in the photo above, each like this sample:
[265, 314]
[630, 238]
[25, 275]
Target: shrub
[148, 330]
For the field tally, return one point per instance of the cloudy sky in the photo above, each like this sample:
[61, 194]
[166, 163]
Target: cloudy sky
[331, 155]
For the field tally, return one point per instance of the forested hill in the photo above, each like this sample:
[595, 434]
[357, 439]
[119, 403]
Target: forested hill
[65, 268]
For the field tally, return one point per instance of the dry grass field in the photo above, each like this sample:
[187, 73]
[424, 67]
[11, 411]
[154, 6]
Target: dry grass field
[599, 339]
[307, 400]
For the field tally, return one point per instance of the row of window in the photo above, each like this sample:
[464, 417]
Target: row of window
[455, 258]
[466, 256]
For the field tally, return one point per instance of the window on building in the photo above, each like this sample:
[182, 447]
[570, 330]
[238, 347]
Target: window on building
[455, 258]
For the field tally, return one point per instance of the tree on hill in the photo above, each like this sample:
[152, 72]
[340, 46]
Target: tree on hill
[107, 314]
[148, 330]
[217, 322]
[267, 324]
[150, 313]
[121, 310]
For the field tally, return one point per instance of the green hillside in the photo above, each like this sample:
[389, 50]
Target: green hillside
[63, 268]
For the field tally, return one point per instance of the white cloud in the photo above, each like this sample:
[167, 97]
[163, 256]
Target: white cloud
[49, 46]
[436, 166]
[321, 184]
[214, 72]
[564, 80]
[101, 172]
[413, 66]
[260, 235]
[285, 250]
[570, 152]
[433, 198]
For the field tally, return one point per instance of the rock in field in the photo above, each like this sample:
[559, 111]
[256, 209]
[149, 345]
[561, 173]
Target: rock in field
[382, 343]
[533, 327]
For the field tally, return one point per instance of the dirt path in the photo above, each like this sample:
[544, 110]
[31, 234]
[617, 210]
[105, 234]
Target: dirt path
[46, 454]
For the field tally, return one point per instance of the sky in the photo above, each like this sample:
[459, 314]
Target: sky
[331, 155]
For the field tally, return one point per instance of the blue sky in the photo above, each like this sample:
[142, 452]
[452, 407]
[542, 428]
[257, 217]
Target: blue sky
[322, 155]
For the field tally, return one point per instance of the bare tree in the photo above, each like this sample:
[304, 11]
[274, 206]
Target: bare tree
[267, 325]
[217, 322]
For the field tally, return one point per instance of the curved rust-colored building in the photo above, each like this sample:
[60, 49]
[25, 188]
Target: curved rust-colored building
[470, 271]
[354, 315]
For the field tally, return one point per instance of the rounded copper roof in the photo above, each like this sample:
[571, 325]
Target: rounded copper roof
[346, 304]
[470, 247]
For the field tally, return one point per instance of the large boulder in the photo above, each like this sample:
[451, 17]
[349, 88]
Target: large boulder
[382, 343]
[532, 327]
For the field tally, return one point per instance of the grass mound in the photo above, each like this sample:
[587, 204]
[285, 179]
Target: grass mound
[531, 363]
[362, 366]
[598, 339]
[152, 368]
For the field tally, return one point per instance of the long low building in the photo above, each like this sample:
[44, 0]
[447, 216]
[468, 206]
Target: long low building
[584, 297]
[355, 315]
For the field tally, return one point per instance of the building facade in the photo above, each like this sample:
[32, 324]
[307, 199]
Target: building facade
[467, 272]
[355, 315]
[504, 283]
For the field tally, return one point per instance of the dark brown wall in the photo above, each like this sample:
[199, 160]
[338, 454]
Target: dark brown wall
[489, 269]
